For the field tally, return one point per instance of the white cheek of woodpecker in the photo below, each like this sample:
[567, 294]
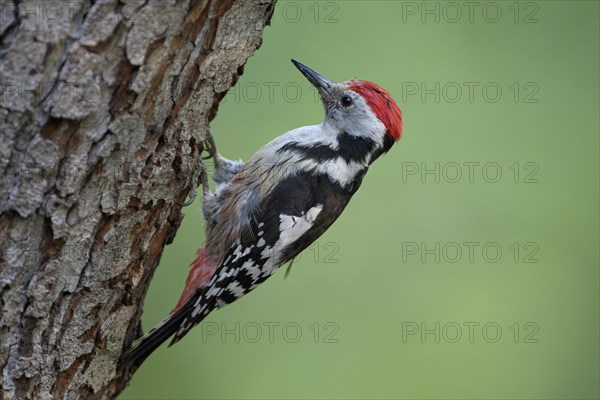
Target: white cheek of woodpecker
[266, 211]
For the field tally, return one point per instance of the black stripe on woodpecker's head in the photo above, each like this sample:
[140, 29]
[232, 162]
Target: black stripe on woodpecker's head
[350, 149]
[354, 148]
[388, 142]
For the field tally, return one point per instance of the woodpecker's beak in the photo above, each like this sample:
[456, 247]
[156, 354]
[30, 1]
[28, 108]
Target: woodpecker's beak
[322, 84]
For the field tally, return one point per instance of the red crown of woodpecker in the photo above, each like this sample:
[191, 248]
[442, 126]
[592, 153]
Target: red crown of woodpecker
[382, 104]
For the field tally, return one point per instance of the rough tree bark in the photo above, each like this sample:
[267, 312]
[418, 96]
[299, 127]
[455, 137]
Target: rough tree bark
[103, 107]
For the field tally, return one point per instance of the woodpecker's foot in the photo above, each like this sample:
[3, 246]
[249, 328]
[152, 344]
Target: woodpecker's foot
[208, 145]
[224, 169]
[199, 175]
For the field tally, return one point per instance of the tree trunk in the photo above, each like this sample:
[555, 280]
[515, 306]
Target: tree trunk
[102, 112]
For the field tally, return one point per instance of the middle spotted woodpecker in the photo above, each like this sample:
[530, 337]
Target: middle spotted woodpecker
[265, 212]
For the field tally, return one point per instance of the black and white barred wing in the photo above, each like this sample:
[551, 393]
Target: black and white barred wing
[296, 212]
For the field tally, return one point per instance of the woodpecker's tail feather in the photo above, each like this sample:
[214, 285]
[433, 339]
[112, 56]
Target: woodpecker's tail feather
[135, 356]
[201, 271]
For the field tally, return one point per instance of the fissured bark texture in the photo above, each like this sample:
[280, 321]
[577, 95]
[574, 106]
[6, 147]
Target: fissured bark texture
[103, 107]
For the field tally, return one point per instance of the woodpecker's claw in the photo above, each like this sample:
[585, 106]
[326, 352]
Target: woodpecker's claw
[200, 169]
[208, 144]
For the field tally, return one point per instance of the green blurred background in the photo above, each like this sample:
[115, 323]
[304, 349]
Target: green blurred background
[406, 296]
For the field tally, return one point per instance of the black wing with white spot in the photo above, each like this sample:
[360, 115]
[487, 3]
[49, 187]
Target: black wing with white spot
[297, 211]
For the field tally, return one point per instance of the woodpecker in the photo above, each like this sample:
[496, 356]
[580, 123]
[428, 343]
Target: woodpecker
[265, 212]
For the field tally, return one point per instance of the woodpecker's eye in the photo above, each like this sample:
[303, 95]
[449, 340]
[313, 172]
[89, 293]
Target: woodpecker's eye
[346, 101]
